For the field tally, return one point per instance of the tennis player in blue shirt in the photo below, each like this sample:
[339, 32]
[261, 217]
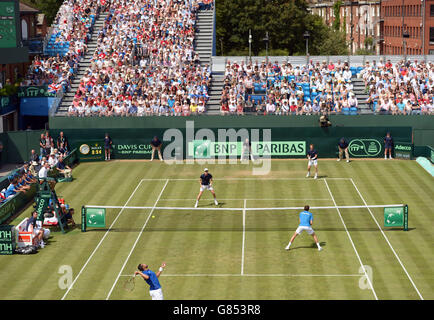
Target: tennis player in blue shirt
[151, 278]
[306, 221]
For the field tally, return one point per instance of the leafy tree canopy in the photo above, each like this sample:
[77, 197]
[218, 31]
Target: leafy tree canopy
[285, 20]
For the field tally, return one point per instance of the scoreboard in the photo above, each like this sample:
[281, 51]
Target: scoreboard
[8, 24]
[11, 46]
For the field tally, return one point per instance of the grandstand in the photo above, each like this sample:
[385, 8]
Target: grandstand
[150, 62]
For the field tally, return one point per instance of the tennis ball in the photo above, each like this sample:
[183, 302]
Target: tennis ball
[153, 217]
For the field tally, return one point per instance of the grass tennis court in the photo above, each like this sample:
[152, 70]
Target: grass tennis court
[234, 252]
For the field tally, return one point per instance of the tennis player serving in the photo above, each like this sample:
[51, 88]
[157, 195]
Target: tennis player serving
[151, 278]
[306, 221]
[206, 183]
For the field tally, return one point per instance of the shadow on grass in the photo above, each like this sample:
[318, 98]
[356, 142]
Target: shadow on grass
[398, 229]
[211, 204]
[312, 246]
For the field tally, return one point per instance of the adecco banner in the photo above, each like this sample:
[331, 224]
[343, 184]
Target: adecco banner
[361, 148]
[208, 149]
[403, 150]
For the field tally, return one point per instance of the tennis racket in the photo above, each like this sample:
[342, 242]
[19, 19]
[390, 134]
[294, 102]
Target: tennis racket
[129, 284]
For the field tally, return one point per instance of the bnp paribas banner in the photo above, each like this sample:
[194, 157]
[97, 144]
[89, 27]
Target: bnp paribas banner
[210, 149]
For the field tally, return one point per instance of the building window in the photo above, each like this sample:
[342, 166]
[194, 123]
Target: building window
[431, 10]
[24, 30]
[2, 77]
[431, 35]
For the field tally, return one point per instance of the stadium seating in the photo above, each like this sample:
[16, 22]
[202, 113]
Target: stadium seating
[167, 72]
[408, 82]
[66, 44]
[312, 83]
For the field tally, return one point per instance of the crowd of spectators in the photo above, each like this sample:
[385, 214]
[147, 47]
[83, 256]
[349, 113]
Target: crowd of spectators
[52, 154]
[270, 88]
[145, 63]
[55, 71]
[67, 44]
[205, 4]
[401, 88]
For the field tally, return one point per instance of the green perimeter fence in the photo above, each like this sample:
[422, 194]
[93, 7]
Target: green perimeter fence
[285, 142]
[131, 135]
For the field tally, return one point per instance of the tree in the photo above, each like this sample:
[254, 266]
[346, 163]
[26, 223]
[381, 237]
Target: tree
[334, 44]
[48, 7]
[337, 13]
[285, 20]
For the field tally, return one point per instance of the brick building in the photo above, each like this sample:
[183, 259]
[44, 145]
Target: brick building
[381, 24]
[360, 20]
[414, 17]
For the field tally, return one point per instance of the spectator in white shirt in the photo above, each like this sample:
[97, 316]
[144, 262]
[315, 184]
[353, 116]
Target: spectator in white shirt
[347, 74]
[52, 160]
[43, 172]
[271, 107]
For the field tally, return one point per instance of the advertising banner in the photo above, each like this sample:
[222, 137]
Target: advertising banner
[35, 92]
[403, 150]
[7, 239]
[91, 150]
[365, 148]
[131, 149]
[209, 149]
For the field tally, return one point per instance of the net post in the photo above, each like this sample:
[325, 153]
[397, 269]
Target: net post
[406, 217]
[83, 219]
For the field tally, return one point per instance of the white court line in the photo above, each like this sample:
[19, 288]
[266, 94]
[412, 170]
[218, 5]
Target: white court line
[242, 179]
[242, 209]
[137, 239]
[101, 241]
[387, 240]
[351, 240]
[263, 199]
[244, 237]
[251, 275]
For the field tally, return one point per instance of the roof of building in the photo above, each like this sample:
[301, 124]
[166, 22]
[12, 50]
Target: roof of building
[27, 9]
